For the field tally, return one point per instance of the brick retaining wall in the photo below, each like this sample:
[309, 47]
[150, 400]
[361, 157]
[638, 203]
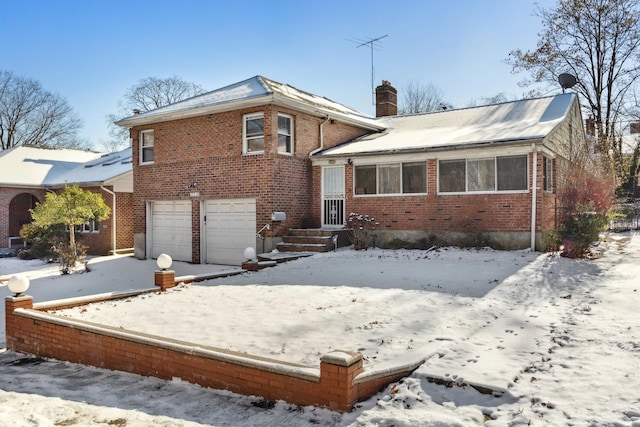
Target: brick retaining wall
[338, 384]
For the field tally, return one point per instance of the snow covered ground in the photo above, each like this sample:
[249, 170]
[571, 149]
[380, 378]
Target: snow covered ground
[559, 337]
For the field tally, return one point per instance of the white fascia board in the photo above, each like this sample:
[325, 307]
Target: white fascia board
[324, 112]
[195, 112]
[451, 152]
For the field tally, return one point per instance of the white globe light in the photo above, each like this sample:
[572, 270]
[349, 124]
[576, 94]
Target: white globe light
[250, 254]
[164, 261]
[18, 284]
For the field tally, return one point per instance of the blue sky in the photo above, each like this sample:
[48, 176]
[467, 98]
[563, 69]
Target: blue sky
[90, 52]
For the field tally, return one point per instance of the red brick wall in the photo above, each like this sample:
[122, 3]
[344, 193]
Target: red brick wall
[99, 243]
[335, 385]
[9, 223]
[124, 221]
[208, 150]
[442, 213]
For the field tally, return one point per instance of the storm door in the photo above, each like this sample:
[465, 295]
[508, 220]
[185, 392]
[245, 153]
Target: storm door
[333, 197]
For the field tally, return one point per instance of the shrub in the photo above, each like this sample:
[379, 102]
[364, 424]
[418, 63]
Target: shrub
[51, 243]
[361, 227]
[587, 203]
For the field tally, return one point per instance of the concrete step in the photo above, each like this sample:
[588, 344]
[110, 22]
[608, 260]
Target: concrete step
[303, 247]
[320, 240]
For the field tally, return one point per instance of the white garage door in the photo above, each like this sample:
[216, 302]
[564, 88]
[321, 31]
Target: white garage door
[171, 229]
[230, 227]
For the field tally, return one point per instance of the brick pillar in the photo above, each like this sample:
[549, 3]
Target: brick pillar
[165, 279]
[338, 369]
[11, 304]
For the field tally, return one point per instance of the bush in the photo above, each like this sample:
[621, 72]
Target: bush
[581, 229]
[587, 203]
[361, 228]
[41, 240]
[51, 243]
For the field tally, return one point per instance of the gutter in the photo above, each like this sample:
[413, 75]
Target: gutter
[113, 219]
[534, 195]
[456, 147]
[317, 150]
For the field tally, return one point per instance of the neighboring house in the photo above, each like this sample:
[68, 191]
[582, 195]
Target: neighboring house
[28, 172]
[241, 165]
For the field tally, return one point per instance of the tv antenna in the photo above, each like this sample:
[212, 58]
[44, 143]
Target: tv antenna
[372, 44]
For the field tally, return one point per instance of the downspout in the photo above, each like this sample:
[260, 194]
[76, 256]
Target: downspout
[534, 195]
[113, 219]
[321, 137]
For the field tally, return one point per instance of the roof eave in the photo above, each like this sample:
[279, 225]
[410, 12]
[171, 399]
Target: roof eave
[196, 111]
[479, 144]
[323, 112]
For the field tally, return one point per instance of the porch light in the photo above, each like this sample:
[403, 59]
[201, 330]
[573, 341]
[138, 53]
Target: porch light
[18, 285]
[164, 261]
[250, 254]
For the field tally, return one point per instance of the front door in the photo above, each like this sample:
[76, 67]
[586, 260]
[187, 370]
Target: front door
[333, 196]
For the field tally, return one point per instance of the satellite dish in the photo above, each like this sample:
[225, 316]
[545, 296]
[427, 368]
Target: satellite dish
[566, 81]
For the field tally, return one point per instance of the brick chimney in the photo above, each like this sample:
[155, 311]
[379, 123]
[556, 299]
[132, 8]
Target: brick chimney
[386, 100]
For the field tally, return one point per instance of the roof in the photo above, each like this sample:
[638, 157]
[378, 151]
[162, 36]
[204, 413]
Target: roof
[32, 166]
[254, 91]
[97, 171]
[518, 121]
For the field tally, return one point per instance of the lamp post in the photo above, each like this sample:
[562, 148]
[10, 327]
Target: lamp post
[165, 278]
[164, 261]
[18, 285]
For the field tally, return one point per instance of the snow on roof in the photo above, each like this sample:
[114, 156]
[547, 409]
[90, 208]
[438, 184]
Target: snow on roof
[98, 171]
[33, 166]
[256, 89]
[30, 166]
[528, 119]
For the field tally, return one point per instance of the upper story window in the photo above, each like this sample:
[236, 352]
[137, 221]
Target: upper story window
[483, 175]
[253, 134]
[146, 147]
[285, 134]
[387, 179]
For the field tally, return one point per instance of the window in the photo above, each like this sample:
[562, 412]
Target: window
[365, 179]
[452, 176]
[389, 179]
[253, 134]
[512, 173]
[397, 178]
[547, 169]
[90, 227]
[285, 134]
[146, 146]
[414, 177]
[483, 175]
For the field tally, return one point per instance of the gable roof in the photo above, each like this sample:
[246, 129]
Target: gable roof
[254, 91]
[32, 166]
[510, 122]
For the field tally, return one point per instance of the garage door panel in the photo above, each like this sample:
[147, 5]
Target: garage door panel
[230, 228]
[171, 229]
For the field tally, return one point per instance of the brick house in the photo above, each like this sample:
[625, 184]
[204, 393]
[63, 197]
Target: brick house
[242, 165]
[28, 172]
[461, 176]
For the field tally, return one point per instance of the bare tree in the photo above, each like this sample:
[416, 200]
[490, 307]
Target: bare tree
[31, 115]
[148, 94]
[598, 42]
[422, 98]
